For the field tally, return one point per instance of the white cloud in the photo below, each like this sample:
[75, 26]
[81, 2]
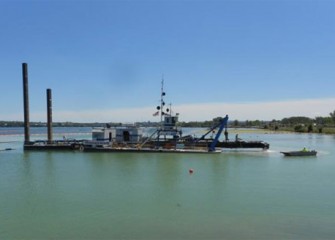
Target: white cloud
[207, 111]
[196, 112]
[259, 110]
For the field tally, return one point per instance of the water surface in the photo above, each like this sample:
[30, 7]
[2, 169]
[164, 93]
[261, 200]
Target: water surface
[232, 195]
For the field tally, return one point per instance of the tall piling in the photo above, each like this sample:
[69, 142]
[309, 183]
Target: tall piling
[26, 103]
[49, 115]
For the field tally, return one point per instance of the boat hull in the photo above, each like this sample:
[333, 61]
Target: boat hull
[147, 150]
[299, 153]
[243, 144]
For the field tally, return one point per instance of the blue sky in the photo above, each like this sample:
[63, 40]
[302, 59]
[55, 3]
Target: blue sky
[104, 60]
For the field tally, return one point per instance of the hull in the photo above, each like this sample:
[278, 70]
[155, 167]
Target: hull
[150, 146]
[299, 153]
[207, 143]
[54, 145]
[243, 144]
[147, 150]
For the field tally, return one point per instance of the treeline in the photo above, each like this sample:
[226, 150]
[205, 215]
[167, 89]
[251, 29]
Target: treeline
[296, 123]
[205, 124]
[73, 124]
[304, 124]
[54, 124]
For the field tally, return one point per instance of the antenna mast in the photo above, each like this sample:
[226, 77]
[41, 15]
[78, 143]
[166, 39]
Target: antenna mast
[162, 100]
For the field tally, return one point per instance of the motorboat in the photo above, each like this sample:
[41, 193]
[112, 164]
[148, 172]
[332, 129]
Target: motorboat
[300, 153]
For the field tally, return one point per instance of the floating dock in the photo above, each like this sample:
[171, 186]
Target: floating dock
[54, 145]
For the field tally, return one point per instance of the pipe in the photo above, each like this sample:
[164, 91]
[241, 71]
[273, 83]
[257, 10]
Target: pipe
[26, 103]
[49, 115]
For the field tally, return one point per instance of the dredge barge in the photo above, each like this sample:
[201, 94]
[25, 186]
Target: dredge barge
[168, 137]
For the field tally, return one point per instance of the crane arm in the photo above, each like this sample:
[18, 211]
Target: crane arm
[222, 124]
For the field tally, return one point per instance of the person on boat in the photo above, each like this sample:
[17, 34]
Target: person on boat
[237, 138]
[226, 135]
[305, 149]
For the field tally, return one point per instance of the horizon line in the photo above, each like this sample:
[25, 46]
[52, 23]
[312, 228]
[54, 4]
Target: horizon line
[264, 111]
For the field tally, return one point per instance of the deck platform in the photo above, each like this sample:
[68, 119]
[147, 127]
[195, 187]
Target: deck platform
[43, 145]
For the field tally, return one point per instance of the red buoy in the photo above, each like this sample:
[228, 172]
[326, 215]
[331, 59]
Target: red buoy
[191, 170]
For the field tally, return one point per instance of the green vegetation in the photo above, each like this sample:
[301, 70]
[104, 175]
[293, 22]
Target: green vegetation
[299, 124]
[54, 124]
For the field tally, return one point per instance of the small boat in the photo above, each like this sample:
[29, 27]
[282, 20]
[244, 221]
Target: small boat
[7, 149]
[300, 153]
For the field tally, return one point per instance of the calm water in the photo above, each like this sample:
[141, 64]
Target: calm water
[233, 195]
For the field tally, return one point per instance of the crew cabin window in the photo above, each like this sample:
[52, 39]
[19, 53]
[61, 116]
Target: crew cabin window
[126, 136]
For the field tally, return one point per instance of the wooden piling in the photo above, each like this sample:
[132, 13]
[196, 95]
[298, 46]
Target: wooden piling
[49, 115]
[26, 103]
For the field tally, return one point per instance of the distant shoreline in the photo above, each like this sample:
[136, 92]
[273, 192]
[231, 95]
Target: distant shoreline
[231, 129]
[320, 125]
